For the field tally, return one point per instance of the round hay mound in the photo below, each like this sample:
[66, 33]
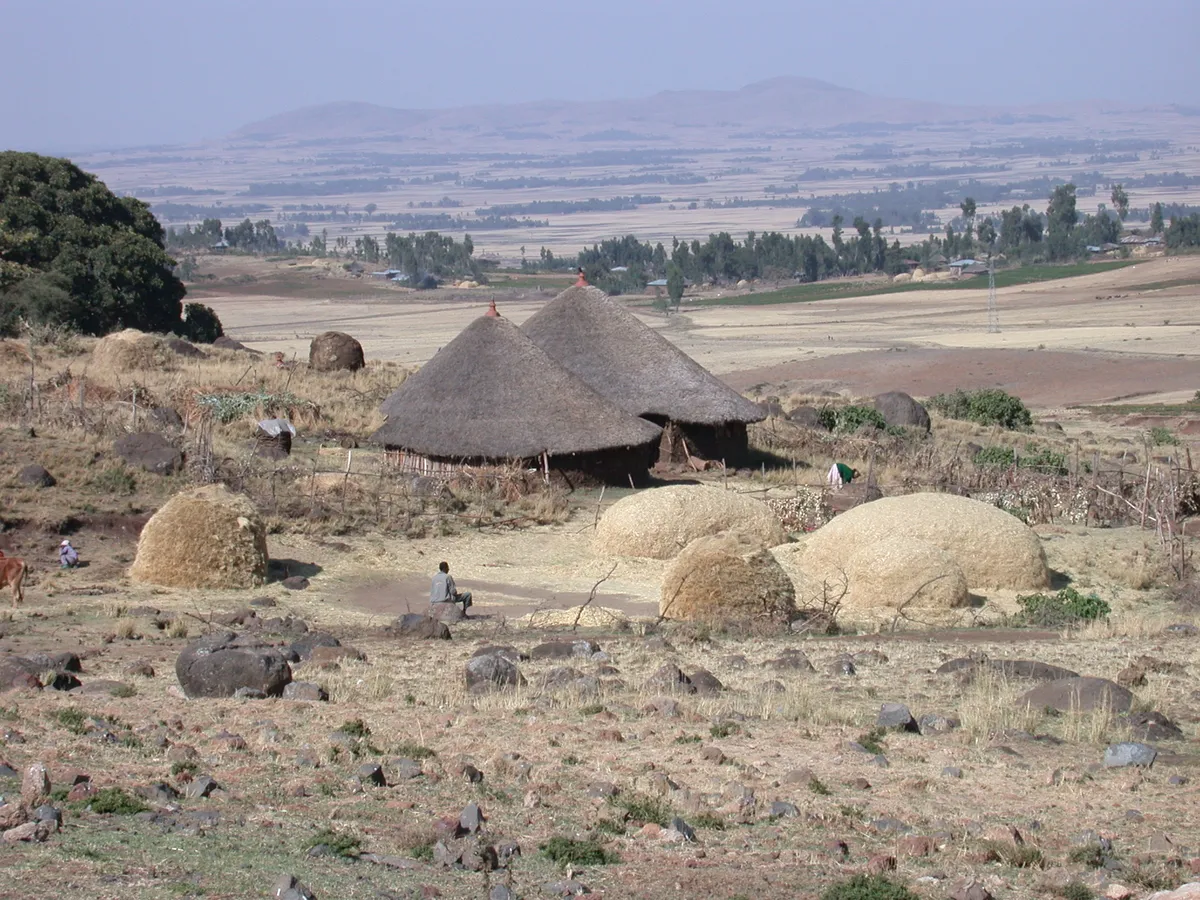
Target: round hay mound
[891, 573]
[727, 579]
[660, 522]
[335, 351]
[992, 548]
[207, 537]
[131, 350]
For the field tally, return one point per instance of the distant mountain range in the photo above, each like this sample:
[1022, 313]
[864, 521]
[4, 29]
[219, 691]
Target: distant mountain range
[780, 105]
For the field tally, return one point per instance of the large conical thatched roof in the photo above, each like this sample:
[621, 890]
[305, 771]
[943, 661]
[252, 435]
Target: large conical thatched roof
[492, 393]
[631, 364]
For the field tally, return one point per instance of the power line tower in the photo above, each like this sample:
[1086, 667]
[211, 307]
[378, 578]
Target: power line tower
[993, 309]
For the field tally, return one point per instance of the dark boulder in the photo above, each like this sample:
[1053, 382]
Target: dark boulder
[303, 648]
[492, 672]
[36, 476]
[335, 351]
[416, 625]
[219, 665]
[1083, 694]
[180, 347]
[167, 418]
[806, 417]
[149, 450]
[898, 408]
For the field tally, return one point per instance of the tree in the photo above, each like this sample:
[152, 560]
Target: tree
[968, 210]
[674, 284]
[1121, 201]
[1061, 218]
[94, 262]
[200, 324]
[1156, 219]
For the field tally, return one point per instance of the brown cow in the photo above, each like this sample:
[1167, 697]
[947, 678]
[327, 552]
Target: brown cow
[12, 573]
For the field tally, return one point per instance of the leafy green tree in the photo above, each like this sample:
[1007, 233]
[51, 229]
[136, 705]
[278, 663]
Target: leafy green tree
[1121, 201]
[1062, 217]
[968, 210]
[200, 324]
[1156, 219]
[674, 284]
[98, 261]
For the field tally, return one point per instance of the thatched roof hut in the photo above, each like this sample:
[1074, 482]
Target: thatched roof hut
[492, 394]
[636, 368]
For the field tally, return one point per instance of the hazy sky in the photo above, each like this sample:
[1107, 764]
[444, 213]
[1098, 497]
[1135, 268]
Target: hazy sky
[92, 73]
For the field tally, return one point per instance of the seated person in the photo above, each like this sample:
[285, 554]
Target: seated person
[444, 590]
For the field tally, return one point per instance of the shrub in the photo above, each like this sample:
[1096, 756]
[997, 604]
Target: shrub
[1067, 607]
[411, 751]
[1075, 890]
[355, 728]
[871, 740]
[114, 801]
[71, 719]
[1043, 460]
[868, 887]
[565, 851]
[988, 406]
[643, 808]
[115, 480]
[852, 418]
[200, 324]
[1001, 457]
[339, 843]
[1019, 856]
[1161, 435]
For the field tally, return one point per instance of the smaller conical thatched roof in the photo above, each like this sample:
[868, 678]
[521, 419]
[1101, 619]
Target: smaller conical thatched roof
[632, 365]
[492, 393]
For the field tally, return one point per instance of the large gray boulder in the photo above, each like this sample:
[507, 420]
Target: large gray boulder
[221, 664]
[149, 450]
[420, 626]
[492, 671]
[335, 351]
[898, 408]
[1082, 694]
[36, 476]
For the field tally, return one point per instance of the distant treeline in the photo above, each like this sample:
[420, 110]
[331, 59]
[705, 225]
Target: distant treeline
[1052, 148]
[446, 222]
[566, 207]
[599, 181]
[169, 212]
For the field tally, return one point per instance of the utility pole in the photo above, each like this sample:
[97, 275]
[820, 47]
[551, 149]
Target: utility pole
[993, 309]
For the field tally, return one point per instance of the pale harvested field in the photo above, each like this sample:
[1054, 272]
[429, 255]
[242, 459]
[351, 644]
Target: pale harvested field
[1111, 317]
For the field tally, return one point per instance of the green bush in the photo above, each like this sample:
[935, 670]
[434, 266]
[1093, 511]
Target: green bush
[115, 480]
[644, 808]
[1043, 460]
[1067, 607]
[868, 887]
[1000, 457]
[851, 418]
[339, 843]
[1161, 435]
[71, 719]
[566, 851]
[114, 801]
[988, 406]
[200, 324]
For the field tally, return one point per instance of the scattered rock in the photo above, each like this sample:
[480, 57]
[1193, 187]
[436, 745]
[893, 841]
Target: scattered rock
[150, 451]
[335, 351]
[422, 627]
[843, 665]
[1029, 669]
[35, 786]
[567, 887]
[303, 647]
[17, 674]
[916, 846]
[36, 476]
[471, 819]
[490, 672]
[900, 409]
[289, 888]
[952, 772]
[783, 809]
[704, 682]
[200, 787]
[141, 669]
[669, 678]
[682, 828]
[564, 649]
[1129, 753]
[935, 723]
[1131, 676]
[372, 773]
[1153, 726]
[792, 660]
[306, 691]
[897, 717]
[295, 583]
[219, 665]
[969, 889]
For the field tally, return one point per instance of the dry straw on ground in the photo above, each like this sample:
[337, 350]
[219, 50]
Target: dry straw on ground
[727, 580]
[659, 523]
[207, 537]
[132, 350]
[993, 549]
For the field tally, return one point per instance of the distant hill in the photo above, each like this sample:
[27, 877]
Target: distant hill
[778, 105]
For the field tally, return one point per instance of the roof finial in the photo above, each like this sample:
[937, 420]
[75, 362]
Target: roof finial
[492, 310]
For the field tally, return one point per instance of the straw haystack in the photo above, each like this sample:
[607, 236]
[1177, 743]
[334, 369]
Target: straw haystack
[132, 350]
[640, 371]
[660, 522]
[492, 394]
[207, 537]
[727, 579]
[888, 574]
[991, 548]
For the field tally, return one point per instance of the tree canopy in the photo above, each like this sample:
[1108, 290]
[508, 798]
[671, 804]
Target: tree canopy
[73, 253]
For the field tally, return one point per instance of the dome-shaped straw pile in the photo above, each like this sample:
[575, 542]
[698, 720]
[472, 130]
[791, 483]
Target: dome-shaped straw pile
[727, 580]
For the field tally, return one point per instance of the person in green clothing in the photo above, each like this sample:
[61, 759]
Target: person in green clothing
[839, 474]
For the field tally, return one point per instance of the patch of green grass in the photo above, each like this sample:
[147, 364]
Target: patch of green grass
[1090, 855]
[340, 843]
[355, 728]
[565, 851]
[725, 729]
[71, 719]
[610, 826]
[184, 765]
[1160, 436]
[818, 787]
[872, 741]
[410, 750]
[423, 852]
[1157, 878]
[644, 808]
[570, 760]
[123, 691]
[116, 480]
[1067, 607]
[688, 739]
[709, 820]
[112, 801]
[1074, 890]
[1019, 856]
[592, 709]
[868, 887]
[854, 813]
